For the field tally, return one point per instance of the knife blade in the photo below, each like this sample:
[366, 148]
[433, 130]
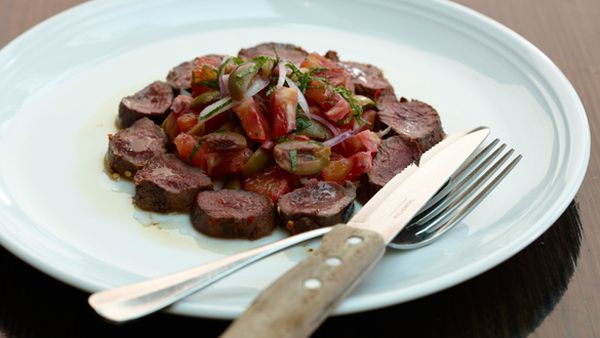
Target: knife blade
[295, 304]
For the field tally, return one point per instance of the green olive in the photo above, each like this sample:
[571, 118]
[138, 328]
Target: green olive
[170, 126]
[316, 131]
[205, 99]
[302, 157]
[257, 162]
[198, 128]
[240, 79]
[267, 68]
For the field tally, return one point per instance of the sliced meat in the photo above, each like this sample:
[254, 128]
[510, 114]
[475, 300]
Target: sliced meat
[415, 121]
[129, 149]
[180, 77]
[233, 214]
[286, 51]
[368, 80]
[393, 156]
[332, 55]
[167, 184]
[316, 205]
[153, 102]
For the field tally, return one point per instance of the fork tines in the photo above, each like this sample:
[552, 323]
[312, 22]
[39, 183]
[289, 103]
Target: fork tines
[463, 192]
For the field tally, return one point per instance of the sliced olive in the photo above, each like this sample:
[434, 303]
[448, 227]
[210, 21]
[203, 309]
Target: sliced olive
[316, 131]
[223, 141]
[170, 126]
[205, 99]
[233, 183]
[302, 157]
[227, 126]
[266, 70]
[198, 128]
[240, 78]
[257, 162]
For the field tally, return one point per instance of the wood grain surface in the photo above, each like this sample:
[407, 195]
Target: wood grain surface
[550, 289]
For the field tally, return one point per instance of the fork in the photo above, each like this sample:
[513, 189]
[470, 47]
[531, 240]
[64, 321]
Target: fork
[461, 194]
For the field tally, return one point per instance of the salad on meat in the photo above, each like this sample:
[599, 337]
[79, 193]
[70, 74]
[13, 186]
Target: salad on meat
[289, 135]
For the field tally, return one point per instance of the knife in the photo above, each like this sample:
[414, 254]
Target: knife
[298, 302]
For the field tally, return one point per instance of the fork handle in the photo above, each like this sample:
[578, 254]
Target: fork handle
[139, 299]
[296, 304]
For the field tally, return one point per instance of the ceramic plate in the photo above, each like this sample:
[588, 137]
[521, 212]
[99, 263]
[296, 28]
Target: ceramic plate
[62, 81]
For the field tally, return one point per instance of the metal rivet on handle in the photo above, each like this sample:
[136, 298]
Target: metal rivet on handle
[354, 240]
[312, 283]
[333, 261]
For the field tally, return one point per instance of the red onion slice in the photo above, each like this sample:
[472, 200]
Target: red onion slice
[256, 86]
[326, 123]
[338, 139]
[282, 73]
[223, 88]
[301, 99]
[216, 108]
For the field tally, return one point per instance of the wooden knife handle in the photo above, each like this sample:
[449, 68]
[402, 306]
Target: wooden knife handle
[296, 304]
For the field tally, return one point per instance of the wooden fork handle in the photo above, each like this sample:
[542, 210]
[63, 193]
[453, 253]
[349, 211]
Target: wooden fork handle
[296, 304]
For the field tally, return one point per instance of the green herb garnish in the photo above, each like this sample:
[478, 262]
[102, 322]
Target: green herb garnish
[302, 122]
[213, 84]
[262, 59]
[293, 159]
[357, 110]
[302, 78]
[282, 139]
[238, 61]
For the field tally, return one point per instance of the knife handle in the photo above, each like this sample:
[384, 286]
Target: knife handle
[296, 303]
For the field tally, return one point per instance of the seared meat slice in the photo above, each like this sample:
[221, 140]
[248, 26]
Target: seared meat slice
[153, 101]
[316, 205]
[416, 122]
[129, 149]
[180, 77]
[286, 51]
[393, 156]
[368, 80]
[233, 214]
[168, 184]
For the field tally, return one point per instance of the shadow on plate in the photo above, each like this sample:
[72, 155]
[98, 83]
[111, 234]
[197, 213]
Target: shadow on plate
[509, 300]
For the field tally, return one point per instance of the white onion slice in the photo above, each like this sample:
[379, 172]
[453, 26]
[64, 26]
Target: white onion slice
[382, 133]
[216, 108]
[282, 73]
[338, 139]
[223, 87]
[301, 99]
[326, 123]
[256, 86]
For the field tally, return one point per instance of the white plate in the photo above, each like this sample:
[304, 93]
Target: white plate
[62, 81]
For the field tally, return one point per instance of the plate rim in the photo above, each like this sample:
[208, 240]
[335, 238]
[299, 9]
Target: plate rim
[458, 11]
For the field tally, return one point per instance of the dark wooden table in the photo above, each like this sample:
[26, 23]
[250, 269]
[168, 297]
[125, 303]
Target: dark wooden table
[550, 289]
